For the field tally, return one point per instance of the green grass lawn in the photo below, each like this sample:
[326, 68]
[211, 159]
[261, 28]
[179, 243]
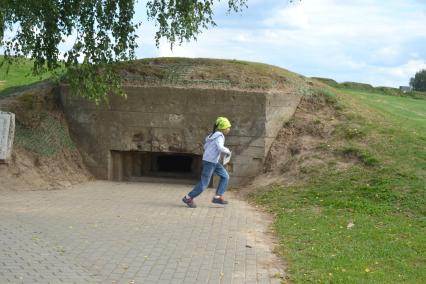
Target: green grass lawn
[366, 224]
[18, 75]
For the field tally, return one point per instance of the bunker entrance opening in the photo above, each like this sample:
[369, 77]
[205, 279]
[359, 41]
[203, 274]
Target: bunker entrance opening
[141, 166]
[174, 164]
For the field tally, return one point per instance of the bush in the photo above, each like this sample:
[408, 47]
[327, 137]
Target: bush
[357, 86]
[327, 81]
[418, 82]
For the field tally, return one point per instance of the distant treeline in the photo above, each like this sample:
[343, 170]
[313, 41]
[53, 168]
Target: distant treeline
[369, 88]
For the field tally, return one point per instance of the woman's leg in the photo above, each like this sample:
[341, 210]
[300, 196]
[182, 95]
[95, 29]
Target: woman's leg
[206, 175]
[224, 179]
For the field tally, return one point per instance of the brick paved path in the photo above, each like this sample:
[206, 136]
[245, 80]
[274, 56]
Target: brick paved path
[104, 232]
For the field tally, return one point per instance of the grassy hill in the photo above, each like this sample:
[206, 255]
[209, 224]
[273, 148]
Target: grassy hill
[17, 76]
[365, 223]
[370, 89]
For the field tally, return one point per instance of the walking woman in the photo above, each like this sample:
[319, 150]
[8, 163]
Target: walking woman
[213, 149]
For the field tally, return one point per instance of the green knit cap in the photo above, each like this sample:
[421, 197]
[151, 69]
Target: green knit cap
[222, 123]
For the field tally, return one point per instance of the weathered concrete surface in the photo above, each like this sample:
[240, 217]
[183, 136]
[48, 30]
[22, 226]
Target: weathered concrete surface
[7, 134]
[176, 120]
[107, 232]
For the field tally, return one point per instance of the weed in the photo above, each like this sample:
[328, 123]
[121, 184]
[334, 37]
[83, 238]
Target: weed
[350, 132]
[362, 156]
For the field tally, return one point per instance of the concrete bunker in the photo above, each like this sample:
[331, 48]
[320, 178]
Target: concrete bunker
[159, 132]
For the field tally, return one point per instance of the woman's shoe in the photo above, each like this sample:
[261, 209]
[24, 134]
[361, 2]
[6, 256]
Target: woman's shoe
[189, 202]
[219, 200]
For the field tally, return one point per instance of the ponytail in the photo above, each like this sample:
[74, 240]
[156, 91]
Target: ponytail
[214, 129]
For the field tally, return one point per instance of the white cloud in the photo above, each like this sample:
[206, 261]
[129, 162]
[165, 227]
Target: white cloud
[178, 51]
[393, 76]
[325, 19]
[294, 16]
[388, 51]
[405, 70]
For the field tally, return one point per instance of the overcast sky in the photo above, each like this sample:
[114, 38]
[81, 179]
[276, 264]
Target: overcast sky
[381, 42]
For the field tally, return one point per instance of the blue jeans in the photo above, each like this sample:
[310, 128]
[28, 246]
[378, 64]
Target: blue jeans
[206, 174]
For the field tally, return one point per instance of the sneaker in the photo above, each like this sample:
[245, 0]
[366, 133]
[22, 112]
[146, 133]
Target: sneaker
[219, 200]
[189, 202]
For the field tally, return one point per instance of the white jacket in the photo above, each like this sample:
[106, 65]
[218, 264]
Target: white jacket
[214, 146]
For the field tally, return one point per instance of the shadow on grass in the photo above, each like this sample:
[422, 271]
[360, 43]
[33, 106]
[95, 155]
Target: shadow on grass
[20, 89]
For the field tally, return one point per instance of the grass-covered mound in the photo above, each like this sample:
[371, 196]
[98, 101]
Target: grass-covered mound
[357, 211]
[214, 73]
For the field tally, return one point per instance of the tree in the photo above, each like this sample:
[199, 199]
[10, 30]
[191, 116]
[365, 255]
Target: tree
[104, 30]
[418, 82]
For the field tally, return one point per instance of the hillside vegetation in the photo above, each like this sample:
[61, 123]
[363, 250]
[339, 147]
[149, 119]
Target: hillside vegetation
[369, 88]
[44, 156]
[365, 221]
[17, 76]
[206, 72]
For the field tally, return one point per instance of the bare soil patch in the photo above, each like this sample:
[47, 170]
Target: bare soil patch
[300, 147]
[29, 170]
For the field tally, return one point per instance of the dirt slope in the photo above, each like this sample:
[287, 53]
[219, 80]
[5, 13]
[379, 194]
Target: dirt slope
[43, 157]
[29, 171]
[301, 145]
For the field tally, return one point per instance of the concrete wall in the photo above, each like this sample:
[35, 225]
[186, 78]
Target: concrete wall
[280, 107]
[163, 119]
[7, 134]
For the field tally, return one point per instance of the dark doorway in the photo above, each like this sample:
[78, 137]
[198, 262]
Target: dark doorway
[175, 163]
[134, 166]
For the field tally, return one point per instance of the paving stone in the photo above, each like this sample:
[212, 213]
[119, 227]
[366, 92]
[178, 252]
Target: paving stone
[105, 232]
